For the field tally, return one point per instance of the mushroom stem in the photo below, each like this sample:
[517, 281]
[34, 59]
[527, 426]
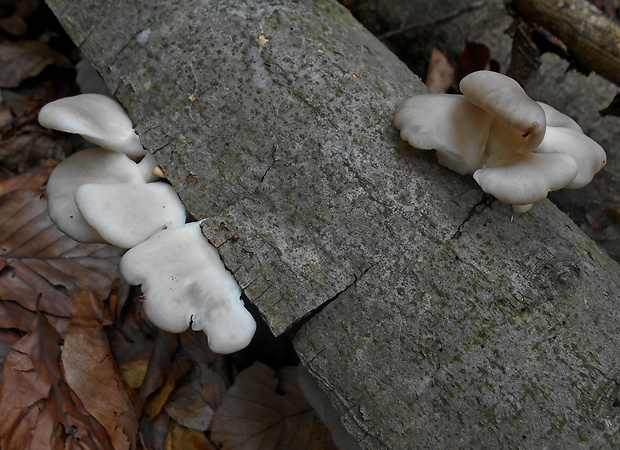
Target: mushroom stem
[522, 208]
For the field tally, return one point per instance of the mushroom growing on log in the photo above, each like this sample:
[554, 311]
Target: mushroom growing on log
[427, 315]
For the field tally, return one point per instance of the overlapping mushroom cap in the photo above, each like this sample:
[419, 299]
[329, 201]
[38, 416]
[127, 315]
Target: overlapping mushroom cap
[517, 149]
[103, 168]
[94, 165]
[127, 214]
[98, 118]
[101, 195]
[461, 145]
[185, 282]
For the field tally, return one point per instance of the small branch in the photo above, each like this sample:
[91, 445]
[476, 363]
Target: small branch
[591, 37]
[446, 18]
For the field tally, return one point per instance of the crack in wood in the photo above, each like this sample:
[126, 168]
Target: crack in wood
[474, 211]
[297, 324]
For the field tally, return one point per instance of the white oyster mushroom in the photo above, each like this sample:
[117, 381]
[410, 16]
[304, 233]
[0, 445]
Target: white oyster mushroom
[94, 165]
[185, 282]
[127, 214]
[518, 150]
[98, 118]
[456, 128]
[518, 121]
[565, 136]
[555, 118]
[527, 179]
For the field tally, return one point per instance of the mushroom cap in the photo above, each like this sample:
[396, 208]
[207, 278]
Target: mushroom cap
[507, 102]
[149, 168]
[98, 118]
[526, 178]
[588, 155]
[127, 214]
[94, 165]
[185, 282]
[555, 118]
[456, 128]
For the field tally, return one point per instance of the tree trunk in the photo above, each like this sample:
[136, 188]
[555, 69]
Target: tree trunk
[429, 314]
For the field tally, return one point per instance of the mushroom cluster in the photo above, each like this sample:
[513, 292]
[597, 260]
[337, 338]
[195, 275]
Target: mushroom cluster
[517, 149]
[104, 195]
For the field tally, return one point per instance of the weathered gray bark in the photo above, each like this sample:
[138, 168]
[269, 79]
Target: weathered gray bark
[428, 313]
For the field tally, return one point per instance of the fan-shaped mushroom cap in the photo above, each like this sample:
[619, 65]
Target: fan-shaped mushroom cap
[98, 118]
[522, 119]
[517, 149]
[185, 282]
[457, 129]
[555, 118]
[527, 178]
[94, 165]
[127, 214]
[588, 155]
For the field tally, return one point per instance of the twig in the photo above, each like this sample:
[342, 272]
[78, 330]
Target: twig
[446, 18]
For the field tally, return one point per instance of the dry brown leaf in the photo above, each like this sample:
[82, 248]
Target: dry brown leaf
[22, 8]
[36, 405]
[154, 432]
[440, 75]
[91, 372]
[134, 372]
[180, 366]
[263, 409]
[6, 119]
[29, 147]
[132, 335]
[165, 345]
[156, 402]
[26, 59]
[34, 179]
[132, 345]
[474, 57]
[40, 267]
[193, 403]
[16, 317]
[14, 25]
[7, 339]
[195, 345]
[20, 104]
[181, 438]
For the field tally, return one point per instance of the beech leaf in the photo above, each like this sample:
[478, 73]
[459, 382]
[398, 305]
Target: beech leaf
[440, 75]
[29, 146]
[263, 409]
[192, 404]
[36, 406]
[91, 372]
[22, 60]
[34, 179]
[181, 438]
[40, 267]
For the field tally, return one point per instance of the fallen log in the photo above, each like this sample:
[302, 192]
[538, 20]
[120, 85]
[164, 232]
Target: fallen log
[429, 314]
